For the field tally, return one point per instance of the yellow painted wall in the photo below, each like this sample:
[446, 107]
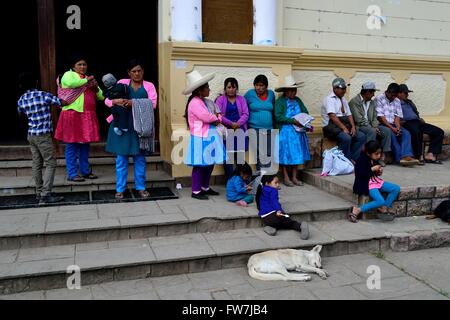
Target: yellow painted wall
[429, 77]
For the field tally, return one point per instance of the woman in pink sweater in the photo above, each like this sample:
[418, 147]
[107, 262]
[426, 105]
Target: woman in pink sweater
[206, 147]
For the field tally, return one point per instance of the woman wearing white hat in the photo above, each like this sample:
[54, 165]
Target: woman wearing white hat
[294, 144]
[206, 147]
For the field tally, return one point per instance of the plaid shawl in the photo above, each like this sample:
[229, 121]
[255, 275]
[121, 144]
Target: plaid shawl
[144, 123]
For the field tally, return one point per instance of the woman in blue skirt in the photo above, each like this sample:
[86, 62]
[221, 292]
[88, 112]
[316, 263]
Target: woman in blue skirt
[293, 140]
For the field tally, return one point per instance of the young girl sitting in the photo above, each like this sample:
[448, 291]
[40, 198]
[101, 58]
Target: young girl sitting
[368, 182]
[271, 212]
[238, 190]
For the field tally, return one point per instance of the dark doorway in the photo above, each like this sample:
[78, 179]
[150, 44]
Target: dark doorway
[21, 54]
[112, 33]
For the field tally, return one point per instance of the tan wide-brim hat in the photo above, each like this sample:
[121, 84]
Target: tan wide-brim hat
[289, 83]
[195, 80]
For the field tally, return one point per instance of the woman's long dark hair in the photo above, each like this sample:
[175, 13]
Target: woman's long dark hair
[370, 148]
[265, 180]
[194, 94]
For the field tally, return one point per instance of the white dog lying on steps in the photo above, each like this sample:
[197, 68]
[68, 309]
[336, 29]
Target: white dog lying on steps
[275, 265]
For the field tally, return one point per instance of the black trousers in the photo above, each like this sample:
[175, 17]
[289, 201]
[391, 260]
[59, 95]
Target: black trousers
[417, 130]
[281, 223]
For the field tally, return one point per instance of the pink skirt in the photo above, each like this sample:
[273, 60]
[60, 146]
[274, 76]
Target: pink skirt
[78, 127]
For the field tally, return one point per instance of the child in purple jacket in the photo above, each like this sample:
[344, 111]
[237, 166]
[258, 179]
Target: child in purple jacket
[270, 210]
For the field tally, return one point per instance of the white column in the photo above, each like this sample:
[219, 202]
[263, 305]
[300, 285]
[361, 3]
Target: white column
[265, 22]
[186, 20]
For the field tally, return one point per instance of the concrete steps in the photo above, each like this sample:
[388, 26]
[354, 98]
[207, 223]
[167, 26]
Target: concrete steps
[35, 228]
[422, 189]
[24, 185]
[23, 168]
[46, 268]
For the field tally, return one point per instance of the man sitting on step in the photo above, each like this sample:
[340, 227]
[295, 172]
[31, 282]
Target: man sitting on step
[365, 116]
[417, 127]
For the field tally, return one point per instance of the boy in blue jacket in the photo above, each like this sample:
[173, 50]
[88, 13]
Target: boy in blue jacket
[238, 190]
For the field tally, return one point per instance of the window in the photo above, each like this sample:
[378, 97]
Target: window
[228, 21]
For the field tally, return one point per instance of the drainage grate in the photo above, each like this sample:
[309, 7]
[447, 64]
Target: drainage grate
[83, 198]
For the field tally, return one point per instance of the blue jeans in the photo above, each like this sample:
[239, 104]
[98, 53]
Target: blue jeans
[401, 146]
[77, 157]
[122, 163]
[351, 146]
[378, 201]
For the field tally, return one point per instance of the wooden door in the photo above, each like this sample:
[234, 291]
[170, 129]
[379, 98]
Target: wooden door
[228, 21]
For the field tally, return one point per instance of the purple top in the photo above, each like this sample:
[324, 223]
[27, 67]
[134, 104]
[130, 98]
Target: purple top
[222, 103]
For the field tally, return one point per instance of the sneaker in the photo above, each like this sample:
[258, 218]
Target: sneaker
[200, 196]
[210, 192]
[304, 234]
[49, 199]
[270, 231]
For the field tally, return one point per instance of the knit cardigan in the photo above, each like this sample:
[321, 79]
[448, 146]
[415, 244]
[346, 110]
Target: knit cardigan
[241, 103]
[280, 111]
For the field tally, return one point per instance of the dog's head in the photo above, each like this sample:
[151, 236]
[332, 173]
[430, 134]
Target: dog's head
[314, 257]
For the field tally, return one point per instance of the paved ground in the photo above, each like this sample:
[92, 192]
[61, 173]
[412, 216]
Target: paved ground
[420, 275]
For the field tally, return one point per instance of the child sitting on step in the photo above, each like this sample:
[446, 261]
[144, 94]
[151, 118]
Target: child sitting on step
[274, 218]
[368, 172]
[238, 190]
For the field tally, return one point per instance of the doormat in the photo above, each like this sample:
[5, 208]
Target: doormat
[84, 198]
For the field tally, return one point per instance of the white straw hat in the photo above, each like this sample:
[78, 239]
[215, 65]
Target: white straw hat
[195, 80]
[289, 83]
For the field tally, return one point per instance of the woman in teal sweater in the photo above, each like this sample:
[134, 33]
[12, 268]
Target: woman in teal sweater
[261, 103]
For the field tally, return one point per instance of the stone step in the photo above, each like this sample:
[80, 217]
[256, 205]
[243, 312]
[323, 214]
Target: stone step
[24, 185]
[46, 268]
[21, 168]
[422, 189]
[22, 152]
[55, 226]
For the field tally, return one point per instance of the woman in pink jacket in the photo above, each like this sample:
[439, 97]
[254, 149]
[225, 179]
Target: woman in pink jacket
[127, 145]
[206, 146]
[234, 110]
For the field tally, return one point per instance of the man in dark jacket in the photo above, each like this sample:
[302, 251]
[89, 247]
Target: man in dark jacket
[418, 127]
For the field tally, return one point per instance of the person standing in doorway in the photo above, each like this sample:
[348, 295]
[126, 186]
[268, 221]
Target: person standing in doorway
[78, 124]
[128, 144]
[36, 105]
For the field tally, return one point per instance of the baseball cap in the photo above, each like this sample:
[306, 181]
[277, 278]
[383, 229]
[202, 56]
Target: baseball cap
[404, 88]
[369, 86]
[340, 83]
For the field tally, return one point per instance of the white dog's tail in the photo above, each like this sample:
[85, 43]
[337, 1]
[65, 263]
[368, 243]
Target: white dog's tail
[282, 276]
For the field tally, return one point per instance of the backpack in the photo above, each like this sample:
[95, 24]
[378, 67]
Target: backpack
[335, 163]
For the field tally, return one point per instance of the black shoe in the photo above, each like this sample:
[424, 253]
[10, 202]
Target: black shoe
[210, 192]
[51, 199]
[200, 196]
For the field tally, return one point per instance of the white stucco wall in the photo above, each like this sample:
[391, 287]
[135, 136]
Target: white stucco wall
[417, 27]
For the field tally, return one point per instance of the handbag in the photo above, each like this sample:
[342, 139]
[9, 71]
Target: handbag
[335, 163]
